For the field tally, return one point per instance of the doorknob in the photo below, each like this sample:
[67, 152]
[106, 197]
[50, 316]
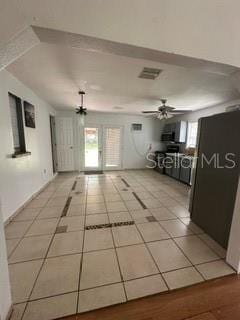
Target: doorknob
[71, 147]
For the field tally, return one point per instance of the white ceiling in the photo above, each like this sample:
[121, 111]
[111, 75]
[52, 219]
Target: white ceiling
[56, 73]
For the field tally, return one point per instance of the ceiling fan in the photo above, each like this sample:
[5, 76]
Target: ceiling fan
[166, 112]
[81, 110]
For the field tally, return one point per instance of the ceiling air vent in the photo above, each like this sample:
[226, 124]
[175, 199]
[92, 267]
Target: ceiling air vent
[149, 73]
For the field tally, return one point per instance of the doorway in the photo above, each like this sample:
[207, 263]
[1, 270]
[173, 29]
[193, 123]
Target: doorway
[92, 149]
[102, 148]
[65, 144]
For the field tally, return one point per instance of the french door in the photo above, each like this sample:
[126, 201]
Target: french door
[92, 148]
[102, 147]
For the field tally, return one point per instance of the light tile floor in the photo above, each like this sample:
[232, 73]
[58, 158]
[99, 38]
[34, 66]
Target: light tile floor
[59, 267]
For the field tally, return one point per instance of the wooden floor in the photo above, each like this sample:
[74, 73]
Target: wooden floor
[214, 300]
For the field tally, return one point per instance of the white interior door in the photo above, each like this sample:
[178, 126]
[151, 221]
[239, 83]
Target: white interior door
[92, 148]
[112, 147]
[65, 152]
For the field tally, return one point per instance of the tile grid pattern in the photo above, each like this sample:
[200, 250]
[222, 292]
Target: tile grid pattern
[142, 183]
[20, 316]
[159, 271]
[46, 255]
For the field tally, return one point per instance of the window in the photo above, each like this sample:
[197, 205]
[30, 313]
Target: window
[17, 124]
[192, 134]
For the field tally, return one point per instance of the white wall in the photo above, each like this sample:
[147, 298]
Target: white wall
[5, 292]
[20, 178]
[135, 145]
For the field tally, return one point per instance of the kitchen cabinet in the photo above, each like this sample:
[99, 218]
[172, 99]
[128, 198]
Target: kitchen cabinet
[175, 132]
[169, 127]
[186, 169]
[168, 171]
[168, 163]
[179, 167]
[176, 167]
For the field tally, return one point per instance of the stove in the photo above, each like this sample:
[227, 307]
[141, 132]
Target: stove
[160, 156]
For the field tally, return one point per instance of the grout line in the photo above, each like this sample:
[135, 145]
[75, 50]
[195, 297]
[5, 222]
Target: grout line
[47, 297]
[49, 257]
[206, 262]
[83, 242]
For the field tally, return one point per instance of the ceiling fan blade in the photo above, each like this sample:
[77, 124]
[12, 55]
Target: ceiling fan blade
[149, 111]
[168, 108]
[180, 111]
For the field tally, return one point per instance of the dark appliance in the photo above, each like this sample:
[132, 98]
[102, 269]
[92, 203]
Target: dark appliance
[161, 155]
[214, 186]
[172, 149]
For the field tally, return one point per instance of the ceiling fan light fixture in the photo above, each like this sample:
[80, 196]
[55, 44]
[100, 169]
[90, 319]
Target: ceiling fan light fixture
[165, 112]
[160, 116]
[81, 110]
[164, 115]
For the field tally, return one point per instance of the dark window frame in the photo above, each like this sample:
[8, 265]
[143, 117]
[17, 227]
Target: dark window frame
[21, 151]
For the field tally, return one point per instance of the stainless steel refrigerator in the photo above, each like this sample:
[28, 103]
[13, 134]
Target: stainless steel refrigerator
[215, 182]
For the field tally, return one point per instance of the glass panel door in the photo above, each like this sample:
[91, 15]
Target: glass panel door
[92, 150]
[112, 147]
